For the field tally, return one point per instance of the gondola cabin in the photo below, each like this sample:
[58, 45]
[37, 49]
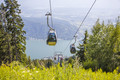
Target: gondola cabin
[52, 38]
[54, 58]
[72, 48]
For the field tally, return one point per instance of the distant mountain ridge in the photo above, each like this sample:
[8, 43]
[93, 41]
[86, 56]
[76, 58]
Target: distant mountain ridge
[37, 28]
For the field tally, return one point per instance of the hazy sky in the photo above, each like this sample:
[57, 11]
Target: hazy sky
[40, 4]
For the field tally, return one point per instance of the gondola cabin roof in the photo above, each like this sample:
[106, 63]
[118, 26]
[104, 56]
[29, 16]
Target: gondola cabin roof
[52, 31]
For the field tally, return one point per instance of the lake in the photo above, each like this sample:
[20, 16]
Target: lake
[38, 49]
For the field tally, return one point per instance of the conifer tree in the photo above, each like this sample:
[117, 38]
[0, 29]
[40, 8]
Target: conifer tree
[81, 53]
[15, 28]
[4, 36]
[11, 32]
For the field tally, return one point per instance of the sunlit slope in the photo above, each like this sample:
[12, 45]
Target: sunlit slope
[54, 73]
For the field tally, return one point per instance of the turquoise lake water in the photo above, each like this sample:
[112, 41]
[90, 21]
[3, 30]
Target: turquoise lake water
[38, 49]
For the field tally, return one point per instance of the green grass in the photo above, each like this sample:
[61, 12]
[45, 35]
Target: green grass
[54, 73]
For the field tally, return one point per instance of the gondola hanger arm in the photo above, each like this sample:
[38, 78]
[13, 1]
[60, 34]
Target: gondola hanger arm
[48, 14]
[75, 38]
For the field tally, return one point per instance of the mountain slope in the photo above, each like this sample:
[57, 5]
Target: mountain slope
[37, 28]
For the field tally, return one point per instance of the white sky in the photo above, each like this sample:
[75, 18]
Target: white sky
[42, 4]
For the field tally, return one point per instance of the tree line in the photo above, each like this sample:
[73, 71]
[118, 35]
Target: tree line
[101, 48]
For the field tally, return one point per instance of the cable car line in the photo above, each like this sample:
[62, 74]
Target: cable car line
[80, 25]
[51, 12]
[52, 36]
[85, 17]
